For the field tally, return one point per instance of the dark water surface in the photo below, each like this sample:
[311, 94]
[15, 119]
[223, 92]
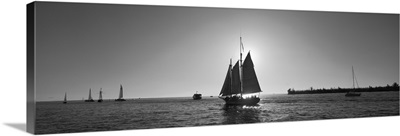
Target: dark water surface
[78, 116]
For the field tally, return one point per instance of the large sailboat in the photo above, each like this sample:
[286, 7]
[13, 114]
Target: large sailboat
[241, 85]
[65, 98]
[353, 92]
[100, 96]
[121, 94]
[90, 99]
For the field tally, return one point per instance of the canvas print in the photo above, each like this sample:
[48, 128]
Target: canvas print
[101, 67]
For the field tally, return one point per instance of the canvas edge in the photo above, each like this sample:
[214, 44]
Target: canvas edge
[30, 67]
[31, 60]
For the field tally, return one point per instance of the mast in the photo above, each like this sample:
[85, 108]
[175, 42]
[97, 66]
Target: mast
[240, 67]
[352, 71]
[230, 75]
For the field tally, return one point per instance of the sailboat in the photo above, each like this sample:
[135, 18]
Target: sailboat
[121, 94]
[90, 96]
[100, 96]
[241, 85]
[353, 92]
[65, 98]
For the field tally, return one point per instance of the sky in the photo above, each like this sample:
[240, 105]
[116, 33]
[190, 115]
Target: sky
[160, 51]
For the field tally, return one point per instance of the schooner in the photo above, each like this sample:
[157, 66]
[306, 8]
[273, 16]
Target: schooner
[241, 85]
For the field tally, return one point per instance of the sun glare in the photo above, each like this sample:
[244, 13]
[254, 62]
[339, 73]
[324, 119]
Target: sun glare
[250, 95]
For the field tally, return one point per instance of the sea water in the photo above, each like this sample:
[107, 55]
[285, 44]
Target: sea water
[79, 116]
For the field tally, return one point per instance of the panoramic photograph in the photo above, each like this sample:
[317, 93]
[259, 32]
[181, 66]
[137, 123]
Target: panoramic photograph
[102, 67]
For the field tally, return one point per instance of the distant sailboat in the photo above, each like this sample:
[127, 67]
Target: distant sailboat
[90, 96]
[100, 96]
[65, 98]
[121, 94]
[353, 92]
[241, 85]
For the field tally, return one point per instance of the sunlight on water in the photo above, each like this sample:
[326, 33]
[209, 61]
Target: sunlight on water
[77, 116]
[251, 107]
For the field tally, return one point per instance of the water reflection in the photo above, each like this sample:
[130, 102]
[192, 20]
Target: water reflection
[238, 114]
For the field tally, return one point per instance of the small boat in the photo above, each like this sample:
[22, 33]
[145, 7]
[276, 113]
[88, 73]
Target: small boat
[353, 92]
[196, 96]
[100, 96]
[65, 98]
[121, 95]
[90, 96]
[241, 86]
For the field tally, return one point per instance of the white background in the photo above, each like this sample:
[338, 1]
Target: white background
[13, 73]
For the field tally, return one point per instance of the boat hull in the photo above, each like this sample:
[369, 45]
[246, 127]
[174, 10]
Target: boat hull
[120, 100]
[241, 101]
[89, 100]
[196, 96]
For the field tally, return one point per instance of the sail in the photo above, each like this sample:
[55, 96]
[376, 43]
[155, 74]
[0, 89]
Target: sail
[120, 92]
[249, 79]
[235, 79]
[226, 88]
[100, 94]
[90, 94]
[65, 97]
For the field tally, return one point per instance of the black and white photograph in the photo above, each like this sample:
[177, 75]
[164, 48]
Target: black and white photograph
[95, 67]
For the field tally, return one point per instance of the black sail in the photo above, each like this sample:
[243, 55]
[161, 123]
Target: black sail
[226, 88]
[121, 92]
[236, 79]
[100, 94]
[249, 78]
[65, 97]
[90, 94]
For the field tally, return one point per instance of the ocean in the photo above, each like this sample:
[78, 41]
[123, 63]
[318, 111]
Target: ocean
[145, 113]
